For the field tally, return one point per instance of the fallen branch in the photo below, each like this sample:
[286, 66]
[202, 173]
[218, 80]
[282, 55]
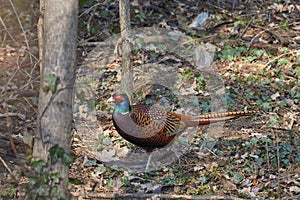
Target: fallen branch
[21, 116]
[5, 165]
[161, 196]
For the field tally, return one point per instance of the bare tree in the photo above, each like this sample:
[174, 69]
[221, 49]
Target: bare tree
[126, 82]
[53, 140]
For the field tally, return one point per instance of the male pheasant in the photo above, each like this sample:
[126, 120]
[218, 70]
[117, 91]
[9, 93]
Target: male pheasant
[152, 127]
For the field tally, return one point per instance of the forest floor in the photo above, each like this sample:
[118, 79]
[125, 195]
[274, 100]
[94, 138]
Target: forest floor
[256, 64]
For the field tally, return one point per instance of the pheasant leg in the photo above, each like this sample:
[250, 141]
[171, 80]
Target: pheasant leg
[149, 161]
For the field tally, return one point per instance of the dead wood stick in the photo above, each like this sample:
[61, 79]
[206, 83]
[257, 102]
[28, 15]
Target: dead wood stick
[5, 165]
[161, 196]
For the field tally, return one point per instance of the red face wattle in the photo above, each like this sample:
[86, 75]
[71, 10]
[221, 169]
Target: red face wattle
[118, 98]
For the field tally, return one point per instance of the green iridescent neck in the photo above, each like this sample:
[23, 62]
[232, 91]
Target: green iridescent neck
[123, 107]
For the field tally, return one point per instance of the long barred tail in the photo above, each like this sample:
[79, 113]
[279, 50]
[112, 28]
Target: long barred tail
[213, 117]
[225, 114]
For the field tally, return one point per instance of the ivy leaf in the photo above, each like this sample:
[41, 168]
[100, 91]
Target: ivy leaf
[66, 159]
[56, 153]
[51, 81]
[38, 165]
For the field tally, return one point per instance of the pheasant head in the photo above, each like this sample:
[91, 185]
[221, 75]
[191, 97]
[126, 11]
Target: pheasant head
[122, 104]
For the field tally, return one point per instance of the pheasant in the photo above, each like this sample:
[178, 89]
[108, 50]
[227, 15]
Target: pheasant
[151, 127]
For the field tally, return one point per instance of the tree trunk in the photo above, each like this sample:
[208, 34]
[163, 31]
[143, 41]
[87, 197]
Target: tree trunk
[53, 140]
[127, 80]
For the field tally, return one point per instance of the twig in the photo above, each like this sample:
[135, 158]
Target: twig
[89, 9]
[5, 165]
[24, 33]
[12, 76]
[33, 108]
[21, 116]
[280, 56]
[246, 28]
[278, 162]
[85, 43]
[88, 25]
[9, 130]
[268, 156]
[265, 30]
[6, 29]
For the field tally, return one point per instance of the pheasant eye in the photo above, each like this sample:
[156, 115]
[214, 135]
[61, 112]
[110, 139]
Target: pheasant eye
[118, 98]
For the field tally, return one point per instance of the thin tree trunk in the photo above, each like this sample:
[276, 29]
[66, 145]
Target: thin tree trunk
[40, 33]
[52, 142]
[127, 80]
